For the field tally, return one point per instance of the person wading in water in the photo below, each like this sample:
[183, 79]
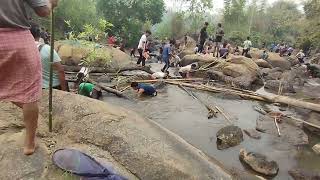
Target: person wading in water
[20, 64]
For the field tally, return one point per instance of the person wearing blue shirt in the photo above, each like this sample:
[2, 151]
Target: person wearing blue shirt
[166, 55]
[144, 89]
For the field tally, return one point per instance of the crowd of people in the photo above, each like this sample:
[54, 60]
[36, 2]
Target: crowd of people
[25, 60]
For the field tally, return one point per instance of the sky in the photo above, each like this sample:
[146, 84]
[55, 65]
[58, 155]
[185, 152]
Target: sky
[218, 4]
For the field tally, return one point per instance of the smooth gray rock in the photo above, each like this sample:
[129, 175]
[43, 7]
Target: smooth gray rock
[252, 133]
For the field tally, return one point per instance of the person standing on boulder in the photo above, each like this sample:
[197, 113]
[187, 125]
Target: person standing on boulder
[20, 65]
[219, 37]
[203, 37]
[142, 47]
[246, 47]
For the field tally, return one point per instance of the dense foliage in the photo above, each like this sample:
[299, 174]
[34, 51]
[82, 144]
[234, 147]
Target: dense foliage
[282, 21]
[130, 16]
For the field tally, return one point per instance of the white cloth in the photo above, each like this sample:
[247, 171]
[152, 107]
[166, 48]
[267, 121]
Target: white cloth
[159, 75]
[247, 44]
[142, 42]
[301, 55]
[185, 69]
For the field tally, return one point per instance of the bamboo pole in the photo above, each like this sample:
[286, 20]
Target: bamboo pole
[51, 70]
[254, 96]
[107, 89]
[174, 80]
[305, 122]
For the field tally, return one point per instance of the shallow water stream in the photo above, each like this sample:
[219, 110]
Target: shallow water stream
[174, 109]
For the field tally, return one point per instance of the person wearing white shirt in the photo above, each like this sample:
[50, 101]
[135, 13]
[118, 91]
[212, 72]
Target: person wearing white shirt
[142, 47]
[185, 71]
[246, 47]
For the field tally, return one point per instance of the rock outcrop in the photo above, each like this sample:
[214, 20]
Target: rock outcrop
[237, 70]
[136, 147]
[72, 52]
[201, 59]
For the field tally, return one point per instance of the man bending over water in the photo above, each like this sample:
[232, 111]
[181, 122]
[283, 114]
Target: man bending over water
[144, 89]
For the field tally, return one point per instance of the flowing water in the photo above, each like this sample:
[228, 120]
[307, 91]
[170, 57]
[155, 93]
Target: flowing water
[174, 109]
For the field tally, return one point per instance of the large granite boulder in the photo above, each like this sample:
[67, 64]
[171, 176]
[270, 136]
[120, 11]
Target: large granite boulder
[238, 70]
[259, 163]
[262, 63]
[201, 59]
[277, 61]
[73, 52]
[137, 148]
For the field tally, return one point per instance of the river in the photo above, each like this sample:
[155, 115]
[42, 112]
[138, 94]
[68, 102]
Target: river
[174, 109]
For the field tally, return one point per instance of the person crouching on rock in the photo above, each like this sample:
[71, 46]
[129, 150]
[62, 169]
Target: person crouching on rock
[185, 71]
[90, 90]
[144, 89]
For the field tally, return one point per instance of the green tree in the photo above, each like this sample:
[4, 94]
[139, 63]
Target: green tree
[128, 16]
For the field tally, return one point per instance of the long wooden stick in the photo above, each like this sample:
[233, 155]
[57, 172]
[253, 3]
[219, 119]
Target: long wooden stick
[174, 80]
[51, 71]
[224, 115]
[254, 96]
[107, 89]
[305, 122]
[277, 126]
[212, 111]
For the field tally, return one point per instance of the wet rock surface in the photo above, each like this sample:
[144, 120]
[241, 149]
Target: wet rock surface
[275, 85]
[291, 133]
[315, 119]
[229, 136]
[252, 133]
[259, 163]
[299, 174]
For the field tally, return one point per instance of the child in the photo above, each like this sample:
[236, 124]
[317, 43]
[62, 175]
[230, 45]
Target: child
[144, 89]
